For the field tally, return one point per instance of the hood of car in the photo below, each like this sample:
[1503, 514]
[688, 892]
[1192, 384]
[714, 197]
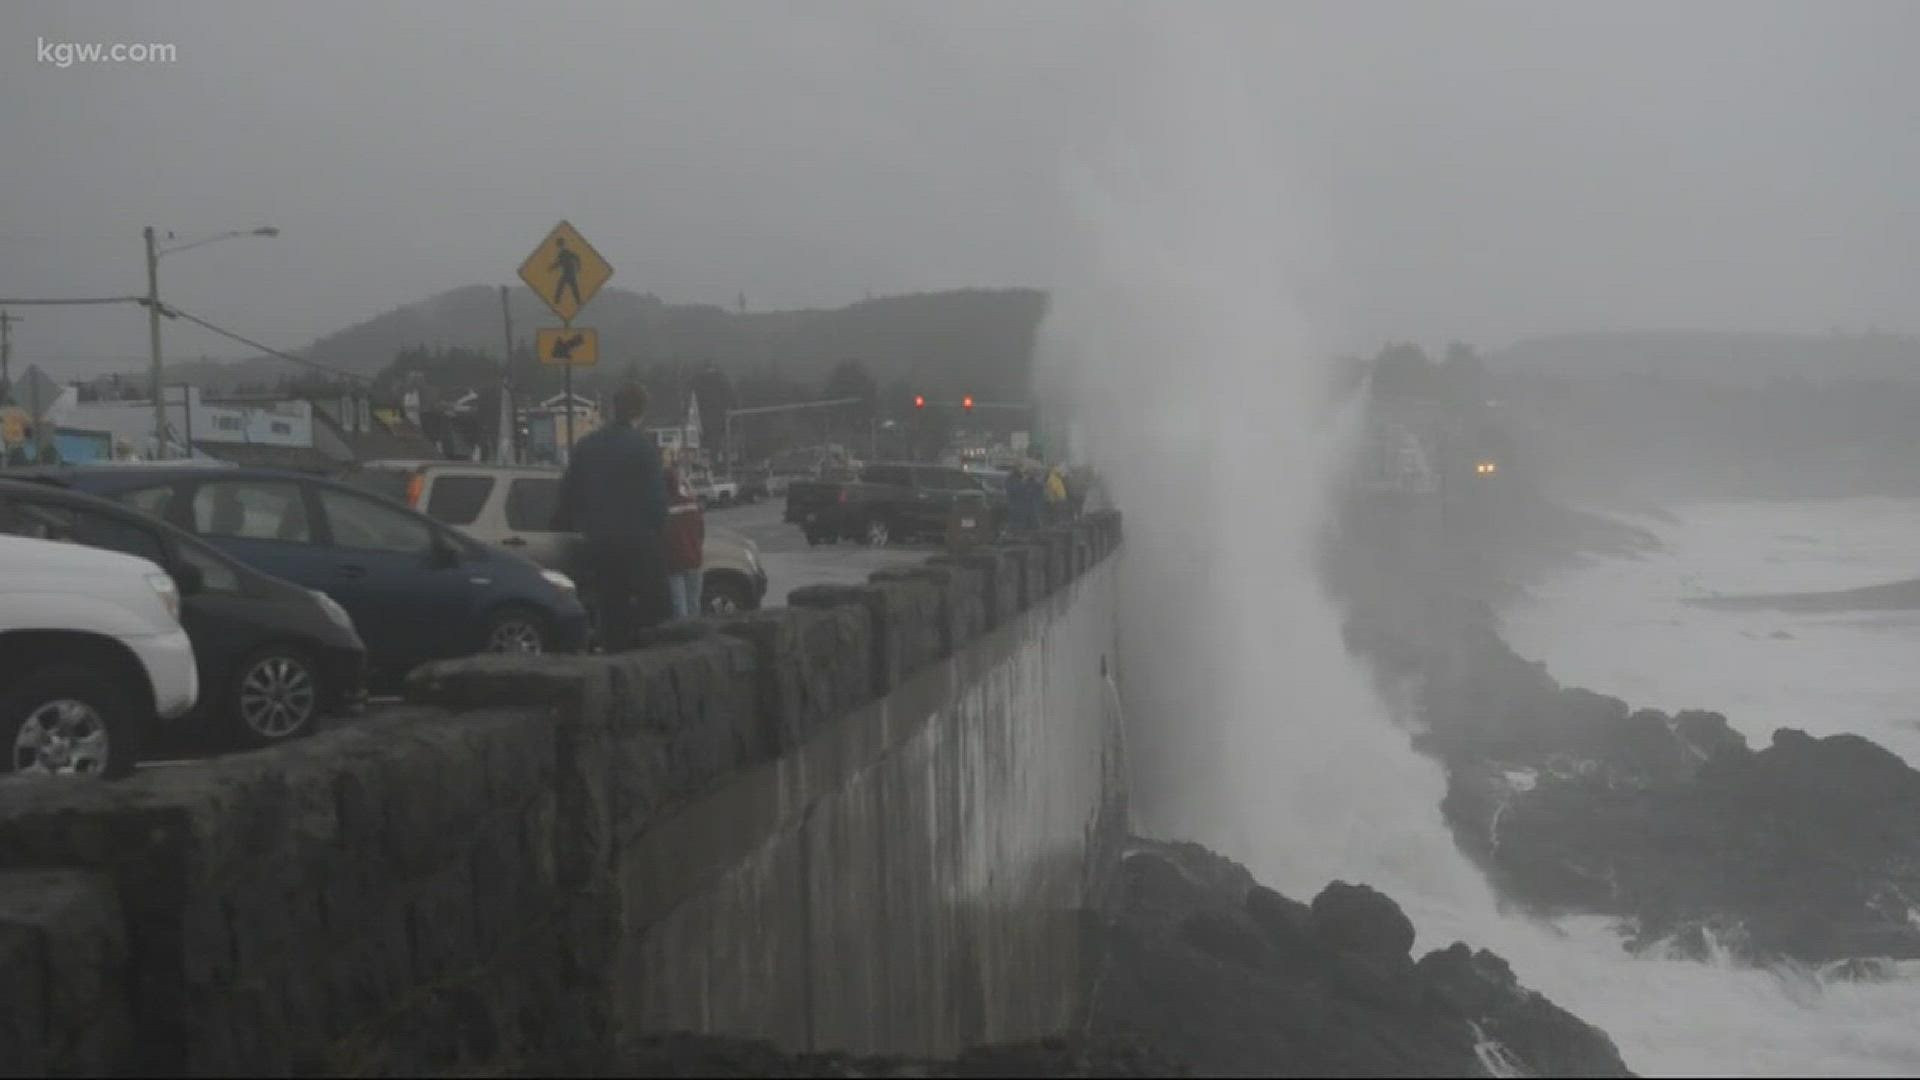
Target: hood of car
[23, 555]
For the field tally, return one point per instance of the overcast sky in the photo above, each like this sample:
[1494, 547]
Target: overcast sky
[1484, 171]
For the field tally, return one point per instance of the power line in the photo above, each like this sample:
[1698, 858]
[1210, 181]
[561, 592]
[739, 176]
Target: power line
[268, 349]
[75, 300]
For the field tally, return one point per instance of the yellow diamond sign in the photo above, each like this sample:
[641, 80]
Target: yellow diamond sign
[565, 271]
[573, 346]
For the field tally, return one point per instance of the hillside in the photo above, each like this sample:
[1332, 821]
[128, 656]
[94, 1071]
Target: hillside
[1715, 356]
[977, 341]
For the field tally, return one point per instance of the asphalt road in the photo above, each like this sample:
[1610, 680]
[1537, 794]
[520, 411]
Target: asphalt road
[791, 563]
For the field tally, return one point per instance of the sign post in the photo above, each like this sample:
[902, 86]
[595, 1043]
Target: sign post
[565, 272]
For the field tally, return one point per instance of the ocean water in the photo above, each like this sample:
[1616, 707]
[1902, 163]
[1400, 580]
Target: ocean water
[1624, 626]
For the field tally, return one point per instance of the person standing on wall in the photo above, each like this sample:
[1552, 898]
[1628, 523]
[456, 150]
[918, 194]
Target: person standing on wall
[613, 494]
[686, 537]
[1056, 495]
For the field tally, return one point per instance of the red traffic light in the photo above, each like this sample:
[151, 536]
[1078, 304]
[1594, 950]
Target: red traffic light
[967, 402]
[919, 401]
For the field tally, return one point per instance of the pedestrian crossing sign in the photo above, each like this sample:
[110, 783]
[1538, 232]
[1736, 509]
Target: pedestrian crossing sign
[565, 271]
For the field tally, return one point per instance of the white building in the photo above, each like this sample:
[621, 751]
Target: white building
[190, 420]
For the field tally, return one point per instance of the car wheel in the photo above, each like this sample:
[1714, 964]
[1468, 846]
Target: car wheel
[876, 533]
[815, 539]
[275, 696]
[71, 721]
[724, 595]
[515, 630]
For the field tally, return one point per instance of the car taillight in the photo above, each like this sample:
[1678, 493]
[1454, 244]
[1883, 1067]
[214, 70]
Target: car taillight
[843, 496]
[415, 484]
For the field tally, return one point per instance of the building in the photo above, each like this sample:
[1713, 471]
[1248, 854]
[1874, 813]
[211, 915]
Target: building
[280, 432]
[677, 433]
[546, 427]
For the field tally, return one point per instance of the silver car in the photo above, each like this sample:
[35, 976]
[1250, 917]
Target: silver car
[513, 506]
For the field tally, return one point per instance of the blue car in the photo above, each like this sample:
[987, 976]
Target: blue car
[417, 590]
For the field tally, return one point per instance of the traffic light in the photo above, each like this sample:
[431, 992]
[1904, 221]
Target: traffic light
[919, 401]
[967, 403]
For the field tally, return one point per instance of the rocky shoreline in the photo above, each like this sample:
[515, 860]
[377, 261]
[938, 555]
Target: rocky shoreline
[1231, 978]
[1206, 972]
[1804, 850]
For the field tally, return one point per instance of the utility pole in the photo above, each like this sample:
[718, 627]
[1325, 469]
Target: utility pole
[153, 330]
[504, 442]
[7, 319]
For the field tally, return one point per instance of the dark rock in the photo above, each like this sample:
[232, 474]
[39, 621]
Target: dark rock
[1355, 918]
[1480, 987]
[1223, 936]
[1287, 924]
[1338, 996]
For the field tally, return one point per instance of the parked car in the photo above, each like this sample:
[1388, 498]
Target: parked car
[416, 589]
[753, 485]
[711, 489]
[272, 657]
[892, 502]
[513, 506]
[92, 655]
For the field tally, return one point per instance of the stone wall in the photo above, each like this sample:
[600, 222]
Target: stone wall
[869, 821]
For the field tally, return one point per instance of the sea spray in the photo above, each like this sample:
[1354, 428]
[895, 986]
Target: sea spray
[1196, 389]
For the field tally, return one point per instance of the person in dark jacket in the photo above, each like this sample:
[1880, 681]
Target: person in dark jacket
[686, 538]
[1023, 500]
[613, 494]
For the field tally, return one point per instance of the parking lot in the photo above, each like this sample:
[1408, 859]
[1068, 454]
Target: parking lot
[789, 561]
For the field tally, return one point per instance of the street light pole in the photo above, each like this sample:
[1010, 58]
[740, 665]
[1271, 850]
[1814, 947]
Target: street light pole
[153, 320]
[153, 333]
[7, 319]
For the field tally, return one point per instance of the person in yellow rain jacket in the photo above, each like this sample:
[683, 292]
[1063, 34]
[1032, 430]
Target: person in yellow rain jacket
[1056, 496]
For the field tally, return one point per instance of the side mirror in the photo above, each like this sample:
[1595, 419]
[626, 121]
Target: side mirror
[445, 554]
[189, 578]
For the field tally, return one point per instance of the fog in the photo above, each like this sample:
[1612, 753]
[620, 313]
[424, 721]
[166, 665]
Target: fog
[1474, 171]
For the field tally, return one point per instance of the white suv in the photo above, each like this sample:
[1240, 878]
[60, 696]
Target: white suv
[91, 652]
[513, 506]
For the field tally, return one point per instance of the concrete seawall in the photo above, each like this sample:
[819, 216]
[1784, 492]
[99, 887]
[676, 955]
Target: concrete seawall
[875, 820]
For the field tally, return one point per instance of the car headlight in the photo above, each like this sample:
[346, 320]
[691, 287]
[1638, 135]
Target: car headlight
[559, 581]
[168, 592]
[333, 610]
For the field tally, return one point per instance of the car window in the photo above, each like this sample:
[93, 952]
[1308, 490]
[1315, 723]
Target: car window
[390, 483]
[945, 480]
[887, 474]
[252, 510]
[54, 521]
[215, 576]
[531, 503]
[152, 501]
[457, 500]
[360, 523]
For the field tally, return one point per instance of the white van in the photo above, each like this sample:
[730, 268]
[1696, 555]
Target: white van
[91, 653]
[513, 506]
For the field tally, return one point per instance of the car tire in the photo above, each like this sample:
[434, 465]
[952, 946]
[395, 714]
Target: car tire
[725, 594]
[274, 697]
[95, 717]
[515, 629]
[815, 539]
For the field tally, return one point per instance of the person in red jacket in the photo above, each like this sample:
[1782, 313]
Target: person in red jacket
[685, 537]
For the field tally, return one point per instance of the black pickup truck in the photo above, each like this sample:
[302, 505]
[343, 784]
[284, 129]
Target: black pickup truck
[892, 503]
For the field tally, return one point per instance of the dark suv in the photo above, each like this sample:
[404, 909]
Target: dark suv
[417, 590]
